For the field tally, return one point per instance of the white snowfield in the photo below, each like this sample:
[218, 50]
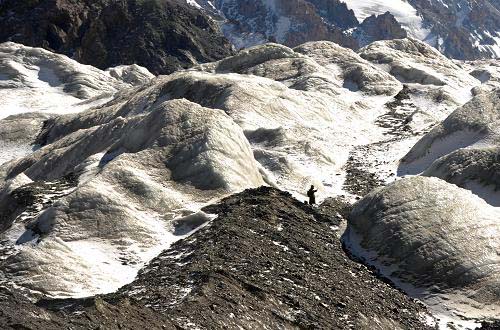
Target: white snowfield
[34, 79]
[147, 160]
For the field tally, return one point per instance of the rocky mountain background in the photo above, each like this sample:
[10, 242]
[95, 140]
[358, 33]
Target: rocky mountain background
[161, 35]
[464, 30]
[291, 23]
[460, 29]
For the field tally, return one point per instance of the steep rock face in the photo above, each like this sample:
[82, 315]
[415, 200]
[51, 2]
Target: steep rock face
[463, 29]
[380, 27]
[294, 22]
[287, 22]
[435, 239]
[162, 36]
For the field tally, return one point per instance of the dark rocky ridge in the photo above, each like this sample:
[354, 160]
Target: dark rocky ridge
[381, 27]
[161, 35]
[267, 260]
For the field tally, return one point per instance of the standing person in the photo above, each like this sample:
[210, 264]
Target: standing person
[310, 194]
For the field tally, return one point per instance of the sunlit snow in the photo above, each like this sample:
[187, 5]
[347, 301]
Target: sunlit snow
[402, 10]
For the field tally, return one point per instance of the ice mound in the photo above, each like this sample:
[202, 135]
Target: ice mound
[474, 125]
[341, 67]
[34, 79]
[433, 238]
[356, 73]
[414, 62]
[135, 175]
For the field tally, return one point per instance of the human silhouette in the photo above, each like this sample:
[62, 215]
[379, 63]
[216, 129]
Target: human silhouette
[310, 194]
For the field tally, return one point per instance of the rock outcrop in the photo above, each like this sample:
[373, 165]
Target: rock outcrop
[295, 22]
[460, 29]
[162, 36]
[379, 27]
[266, 261]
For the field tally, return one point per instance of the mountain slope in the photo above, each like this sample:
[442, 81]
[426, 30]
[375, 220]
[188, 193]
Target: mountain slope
[464, 30]
[161, 35]
[294, 22]
[460, 29]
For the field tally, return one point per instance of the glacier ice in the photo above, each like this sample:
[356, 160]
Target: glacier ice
[145, 160]
[152, 165]
[435, 239]
[475, 125]
[36, 80]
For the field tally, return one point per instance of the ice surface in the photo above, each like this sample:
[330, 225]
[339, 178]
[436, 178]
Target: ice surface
[34, 79]
[151, 167]
[146, 161]
[432, 235]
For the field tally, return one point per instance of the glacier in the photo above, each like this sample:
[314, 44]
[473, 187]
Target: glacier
[121, 170]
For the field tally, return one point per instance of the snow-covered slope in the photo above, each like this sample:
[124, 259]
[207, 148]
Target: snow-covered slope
[401, 9]
[460, 29]
[135, 174]
[33, 79]
[463, 149]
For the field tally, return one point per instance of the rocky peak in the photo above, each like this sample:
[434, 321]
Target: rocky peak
[380, 27]
[292, 22]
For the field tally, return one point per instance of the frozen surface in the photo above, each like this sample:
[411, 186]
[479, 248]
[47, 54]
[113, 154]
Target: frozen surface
[151, 168]
[156, 154]
[440, 242]
[34, 79]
